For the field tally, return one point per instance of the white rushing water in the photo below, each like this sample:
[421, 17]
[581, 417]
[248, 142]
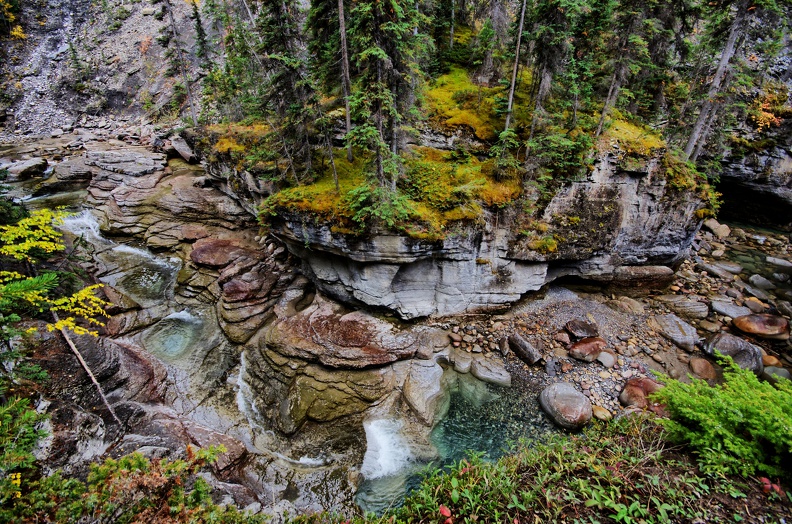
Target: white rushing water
[387, 450]
[85, 225]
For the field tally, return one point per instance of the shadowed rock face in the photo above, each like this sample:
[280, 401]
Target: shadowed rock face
[605, 226]
[757, 185]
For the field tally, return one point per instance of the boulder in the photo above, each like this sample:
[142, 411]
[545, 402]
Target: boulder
[731, 267]
[719, 230]
[686, 306]
[607, 358]
[676, 330]
[26, 169]
[773, 374]
[744, 354]
[587, 349]
[491, 370]
[781, 265]
[524, 350]
[761, 282]
[568, 408]
[582, 329]
[702, 368]
[771, 361]
[184, 150]
[636, 278]
[763, 325]
[636, 392]
[728, 308]
[601, 413]
[715, 271]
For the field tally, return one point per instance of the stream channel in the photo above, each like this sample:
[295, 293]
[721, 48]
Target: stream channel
[474, 416]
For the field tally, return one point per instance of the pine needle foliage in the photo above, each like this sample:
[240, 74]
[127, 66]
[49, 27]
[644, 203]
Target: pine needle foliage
[743, 426]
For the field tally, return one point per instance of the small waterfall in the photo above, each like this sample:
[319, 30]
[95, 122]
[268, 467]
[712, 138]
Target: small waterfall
[244, 395]
[85, 225]
[387, 451]
[389, 466]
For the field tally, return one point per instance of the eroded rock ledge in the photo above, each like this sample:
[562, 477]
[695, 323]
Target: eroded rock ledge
[603, 226]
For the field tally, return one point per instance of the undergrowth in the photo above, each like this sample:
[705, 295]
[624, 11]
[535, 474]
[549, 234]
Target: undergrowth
[623, 471]
[743, 426]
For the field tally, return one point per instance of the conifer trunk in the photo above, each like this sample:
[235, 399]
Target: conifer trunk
[345, 73]
[717, 80]
[514, 69]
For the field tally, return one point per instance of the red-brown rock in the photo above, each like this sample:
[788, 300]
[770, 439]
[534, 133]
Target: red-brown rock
[214, 252]
[637, 390]
[587, 349]
[763, 325]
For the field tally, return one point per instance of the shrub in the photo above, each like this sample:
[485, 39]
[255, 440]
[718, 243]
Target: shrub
[742, 426]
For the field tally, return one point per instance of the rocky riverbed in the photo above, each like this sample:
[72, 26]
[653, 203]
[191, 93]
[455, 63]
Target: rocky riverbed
[215, 336]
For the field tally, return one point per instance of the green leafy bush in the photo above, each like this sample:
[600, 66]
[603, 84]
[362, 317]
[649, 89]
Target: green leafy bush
[742, 426]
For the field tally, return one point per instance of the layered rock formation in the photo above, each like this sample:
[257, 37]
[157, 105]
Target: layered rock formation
[604, 226]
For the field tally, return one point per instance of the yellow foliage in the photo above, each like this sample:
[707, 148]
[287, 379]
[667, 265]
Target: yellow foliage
[228, 145]
[633, 139]
[17, 33]
[34, 233]
[448, 98]
[22, 241]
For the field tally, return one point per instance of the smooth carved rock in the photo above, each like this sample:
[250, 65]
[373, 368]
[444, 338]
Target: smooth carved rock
[423, 390]
[325, 333]
[676, 330]
[524, 350]
[629, 234]
[685, 305]
[763, 325]
[214, 253]
[462, 360]
[582, 329]
[587, 349]
[636, 392]
[568, 408]
[744, 354]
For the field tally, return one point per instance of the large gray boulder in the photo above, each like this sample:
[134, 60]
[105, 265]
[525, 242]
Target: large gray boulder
[568, 408]
[744, 354]
[676, 330]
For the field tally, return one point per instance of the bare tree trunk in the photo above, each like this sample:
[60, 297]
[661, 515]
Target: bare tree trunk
[345, 73]
[514, 69]
[332, 161]
[545, 81]
[720, 74]
[610, 100]
[453, 13]
[182, 64]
